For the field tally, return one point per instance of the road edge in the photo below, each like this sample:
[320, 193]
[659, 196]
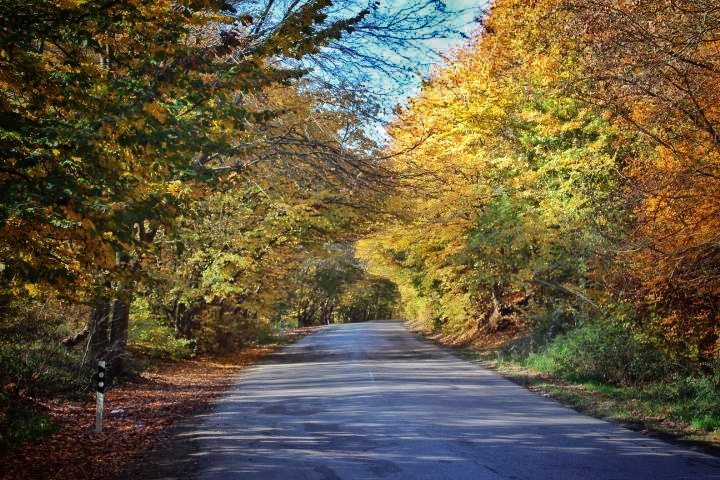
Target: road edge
[524, 380]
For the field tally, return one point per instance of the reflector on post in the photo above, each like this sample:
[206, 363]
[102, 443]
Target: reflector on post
[100, 383]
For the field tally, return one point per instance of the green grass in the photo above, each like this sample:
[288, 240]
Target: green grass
[541, 363]
[581, 371]
[606, 389]
[666, 408]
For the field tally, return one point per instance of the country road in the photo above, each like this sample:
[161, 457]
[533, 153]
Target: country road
[372, 401]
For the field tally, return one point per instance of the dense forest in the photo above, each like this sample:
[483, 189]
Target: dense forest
[183, 178]
[559, 184]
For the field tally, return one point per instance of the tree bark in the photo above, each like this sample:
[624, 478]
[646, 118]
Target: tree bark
[183, 318]
[496, 315]
[76, 338]
[119, 334]
[99, 329]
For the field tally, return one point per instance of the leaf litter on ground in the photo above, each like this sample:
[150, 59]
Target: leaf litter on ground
[139, 414]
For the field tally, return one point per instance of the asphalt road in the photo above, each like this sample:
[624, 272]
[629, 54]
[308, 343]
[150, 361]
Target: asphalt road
[371, 401]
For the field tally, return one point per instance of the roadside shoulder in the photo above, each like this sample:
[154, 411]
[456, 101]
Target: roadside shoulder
[623, 406]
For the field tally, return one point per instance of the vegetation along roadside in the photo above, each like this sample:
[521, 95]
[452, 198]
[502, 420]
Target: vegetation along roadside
[140, 413]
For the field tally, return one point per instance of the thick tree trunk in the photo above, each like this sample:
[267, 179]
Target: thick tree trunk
[99, 329]
[119, 334]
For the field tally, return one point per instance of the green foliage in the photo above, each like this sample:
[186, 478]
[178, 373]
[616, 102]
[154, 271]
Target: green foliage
[22, 424]
[153, 337]
[602, 352]
[696, 398]
[369, 298]
[42, 368]
[670, 394]
[333, 287]
[34, 365]
[268, 334]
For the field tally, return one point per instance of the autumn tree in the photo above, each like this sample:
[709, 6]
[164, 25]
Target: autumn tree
[508, 185]
[654, 66]
[109, 110]
[563, 166]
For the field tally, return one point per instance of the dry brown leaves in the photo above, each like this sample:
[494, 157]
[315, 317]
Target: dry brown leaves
[137, 415]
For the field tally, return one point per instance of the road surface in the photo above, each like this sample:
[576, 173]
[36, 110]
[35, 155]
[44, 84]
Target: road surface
[372, 401]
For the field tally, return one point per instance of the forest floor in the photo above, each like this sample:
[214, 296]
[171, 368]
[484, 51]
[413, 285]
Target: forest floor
[638, 408]
[139, 414]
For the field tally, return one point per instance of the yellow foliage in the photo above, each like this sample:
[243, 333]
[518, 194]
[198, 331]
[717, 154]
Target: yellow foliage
[156, 110]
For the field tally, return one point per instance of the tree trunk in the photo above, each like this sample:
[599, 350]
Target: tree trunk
[119, 334]
[496, 315]
[99, 329]
[183, 318]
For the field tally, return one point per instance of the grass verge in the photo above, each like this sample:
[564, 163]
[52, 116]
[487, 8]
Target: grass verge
[656, 409]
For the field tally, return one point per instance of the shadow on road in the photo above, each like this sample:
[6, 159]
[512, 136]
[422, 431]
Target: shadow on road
[370, 401]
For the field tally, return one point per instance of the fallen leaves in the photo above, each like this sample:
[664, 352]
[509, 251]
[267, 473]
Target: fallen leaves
[138, 414]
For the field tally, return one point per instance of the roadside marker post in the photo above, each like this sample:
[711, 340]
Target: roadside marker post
[100, 381]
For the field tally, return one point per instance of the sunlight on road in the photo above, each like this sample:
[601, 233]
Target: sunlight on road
[367, 401]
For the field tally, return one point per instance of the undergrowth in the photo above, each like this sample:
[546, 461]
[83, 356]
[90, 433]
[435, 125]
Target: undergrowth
[620, 375]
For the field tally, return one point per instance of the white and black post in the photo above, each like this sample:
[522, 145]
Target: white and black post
[100, 382]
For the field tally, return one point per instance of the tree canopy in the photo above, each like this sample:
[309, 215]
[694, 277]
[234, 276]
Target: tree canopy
[193, 176]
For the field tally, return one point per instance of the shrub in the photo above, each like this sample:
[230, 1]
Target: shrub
[602, 352]
[34, 365]
[696, 398]
[153, 338]
[22, 423]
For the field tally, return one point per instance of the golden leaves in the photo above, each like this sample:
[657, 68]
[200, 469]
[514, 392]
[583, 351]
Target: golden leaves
[69, 4]
[155, 110]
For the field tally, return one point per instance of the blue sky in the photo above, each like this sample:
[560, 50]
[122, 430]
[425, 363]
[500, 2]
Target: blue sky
[464, 21]
[471, 9]
[401, 47]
